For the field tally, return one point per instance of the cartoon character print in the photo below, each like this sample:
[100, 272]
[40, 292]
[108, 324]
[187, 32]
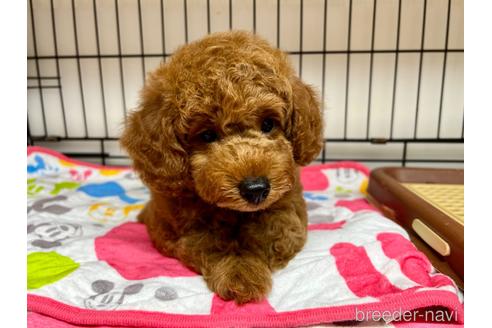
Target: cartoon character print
[64, 185]
[41, 167]
[311, 206]
[166, 293]
[33, 188]
[345, 180]
[105, 212]
[51, 234]
[106, 172]
[107, 189]
[311, 196]
[131, 175]
[44, 205]
[80, 175]
[38, 186]
[328, 215]
[107, 297]
[326, 212]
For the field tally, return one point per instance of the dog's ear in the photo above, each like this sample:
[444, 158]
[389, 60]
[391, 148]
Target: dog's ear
[306, 123]
[150, 140]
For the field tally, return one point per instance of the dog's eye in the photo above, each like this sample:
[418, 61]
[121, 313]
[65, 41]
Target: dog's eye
[267, 125]
[208, 136]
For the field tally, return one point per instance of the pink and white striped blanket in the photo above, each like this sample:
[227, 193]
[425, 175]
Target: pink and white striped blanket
[90, 263]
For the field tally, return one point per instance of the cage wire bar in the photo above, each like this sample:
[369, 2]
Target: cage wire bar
[39, 84]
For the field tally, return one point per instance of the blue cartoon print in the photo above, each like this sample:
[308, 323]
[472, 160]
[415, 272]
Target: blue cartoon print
[41, 167]
[107, 189]
[313, 196]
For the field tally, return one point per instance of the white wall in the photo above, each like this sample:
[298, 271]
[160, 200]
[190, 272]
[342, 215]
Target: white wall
[375, 92]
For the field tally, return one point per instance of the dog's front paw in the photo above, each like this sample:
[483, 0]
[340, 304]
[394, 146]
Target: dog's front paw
[240, 278]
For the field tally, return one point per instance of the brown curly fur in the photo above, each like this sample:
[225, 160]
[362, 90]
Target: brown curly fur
[226, 82]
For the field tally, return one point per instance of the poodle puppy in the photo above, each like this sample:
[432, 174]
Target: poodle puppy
[218, 138]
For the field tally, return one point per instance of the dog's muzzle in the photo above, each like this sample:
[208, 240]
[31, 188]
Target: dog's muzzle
[254, 189]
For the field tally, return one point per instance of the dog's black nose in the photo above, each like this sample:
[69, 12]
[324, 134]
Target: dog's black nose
[254, 189]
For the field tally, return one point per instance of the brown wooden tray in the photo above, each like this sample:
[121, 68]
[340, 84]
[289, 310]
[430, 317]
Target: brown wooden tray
[428, 203]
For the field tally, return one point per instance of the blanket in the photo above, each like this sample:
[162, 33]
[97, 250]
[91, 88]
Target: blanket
[90, 263]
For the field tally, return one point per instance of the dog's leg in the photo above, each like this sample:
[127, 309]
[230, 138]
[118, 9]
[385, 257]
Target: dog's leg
[232, 273]
[277, 235]
[242, 278]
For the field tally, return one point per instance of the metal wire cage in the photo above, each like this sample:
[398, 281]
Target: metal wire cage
[389, 72]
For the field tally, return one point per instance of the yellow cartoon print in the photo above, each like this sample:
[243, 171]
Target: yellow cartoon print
[363, 186]
[109, 172]
[105, 212]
